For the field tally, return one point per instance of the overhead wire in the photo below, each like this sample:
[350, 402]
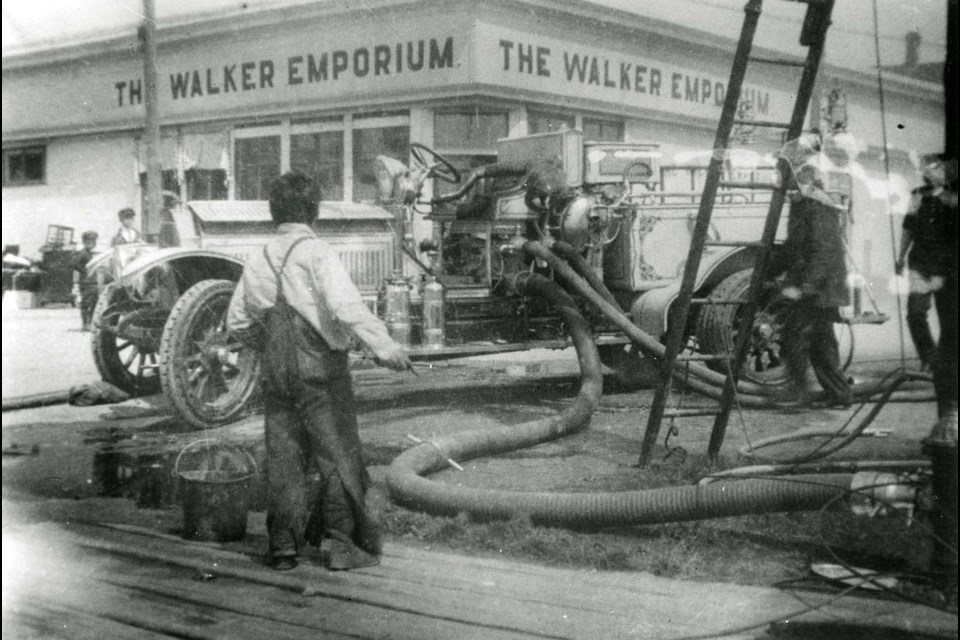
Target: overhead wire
[784, 19]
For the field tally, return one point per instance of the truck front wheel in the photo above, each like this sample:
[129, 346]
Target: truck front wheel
[208, 374]
[124, 342]
[717, 331]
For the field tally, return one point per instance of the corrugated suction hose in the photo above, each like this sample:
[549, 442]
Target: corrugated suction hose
[409, 488]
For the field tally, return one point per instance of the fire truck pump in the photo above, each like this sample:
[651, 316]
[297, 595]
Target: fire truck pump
[562, 230]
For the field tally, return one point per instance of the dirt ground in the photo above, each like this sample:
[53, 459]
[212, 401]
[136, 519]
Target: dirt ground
[103, 462]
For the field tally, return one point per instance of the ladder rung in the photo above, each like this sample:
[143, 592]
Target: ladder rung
[733, 243]
[771, 124]
[731, 301]
[778, 61]
[704, 356]
[689, 413]
[767, 186]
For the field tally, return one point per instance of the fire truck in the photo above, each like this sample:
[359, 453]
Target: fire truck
[613, 207]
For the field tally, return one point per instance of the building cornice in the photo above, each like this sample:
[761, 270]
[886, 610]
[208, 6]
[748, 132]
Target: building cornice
[603, 20]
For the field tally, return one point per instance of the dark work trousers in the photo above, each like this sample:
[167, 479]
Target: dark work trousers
[808, 337]
[945, 361]
[88, 302]
[918, 306]
[315, 431]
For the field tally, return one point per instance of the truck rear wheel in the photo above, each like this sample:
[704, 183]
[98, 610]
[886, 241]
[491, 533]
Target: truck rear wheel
[124, 361]
[717, 331]
[209, 375]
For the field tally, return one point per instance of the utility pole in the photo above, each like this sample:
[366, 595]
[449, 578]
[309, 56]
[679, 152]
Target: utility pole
[950, 81]
[153, 189]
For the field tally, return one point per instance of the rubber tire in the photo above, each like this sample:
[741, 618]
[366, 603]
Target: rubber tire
[106, 355]
[714, 323]
[178, 343]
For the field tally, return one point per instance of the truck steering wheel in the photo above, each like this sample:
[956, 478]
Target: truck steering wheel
[440, 167]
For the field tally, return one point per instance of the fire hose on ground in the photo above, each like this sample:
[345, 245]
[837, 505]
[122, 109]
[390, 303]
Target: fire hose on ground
[408, 486]
[842, 438]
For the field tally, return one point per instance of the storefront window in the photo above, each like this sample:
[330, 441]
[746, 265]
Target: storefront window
[206, 184]
[468, 140]
[543, 122]
[320, 155]
[602, 130]
[168, 181]
[469, 130]
[257, 164]
[367, 145]
[203, 160]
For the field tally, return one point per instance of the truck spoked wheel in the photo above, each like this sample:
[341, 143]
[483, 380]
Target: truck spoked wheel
[717, 332]
[125, 343]
[208, 375]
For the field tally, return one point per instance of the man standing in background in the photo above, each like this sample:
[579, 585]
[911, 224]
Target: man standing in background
[816, 277]
[928, 231]
[86, 279]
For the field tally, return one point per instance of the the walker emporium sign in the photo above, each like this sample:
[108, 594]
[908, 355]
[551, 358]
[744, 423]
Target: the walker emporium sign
[361, 63]
[339, 65]
[548, 65]
[290, 68]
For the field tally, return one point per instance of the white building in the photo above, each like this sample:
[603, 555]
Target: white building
[326, 87]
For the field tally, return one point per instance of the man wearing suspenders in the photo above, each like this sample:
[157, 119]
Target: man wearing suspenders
[297, 305]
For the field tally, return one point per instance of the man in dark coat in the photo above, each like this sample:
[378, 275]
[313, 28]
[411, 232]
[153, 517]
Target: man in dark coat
[929, 231]
[816, 277]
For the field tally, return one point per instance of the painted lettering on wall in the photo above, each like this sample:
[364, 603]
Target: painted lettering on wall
[300, 69]
[621, 75]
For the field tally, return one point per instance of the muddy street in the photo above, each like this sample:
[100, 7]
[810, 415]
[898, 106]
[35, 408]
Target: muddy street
[92, 500]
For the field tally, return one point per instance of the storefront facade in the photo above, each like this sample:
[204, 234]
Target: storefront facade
[326, 88]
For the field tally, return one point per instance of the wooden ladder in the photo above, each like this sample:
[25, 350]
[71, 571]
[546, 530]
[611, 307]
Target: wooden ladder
[812, 36]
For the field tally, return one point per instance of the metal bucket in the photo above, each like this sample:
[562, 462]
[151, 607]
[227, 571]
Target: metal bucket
[215, 495]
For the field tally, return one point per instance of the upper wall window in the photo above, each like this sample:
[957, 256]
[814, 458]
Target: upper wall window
[602, 130]
[24, 165]
[256, 165]
[544, 122]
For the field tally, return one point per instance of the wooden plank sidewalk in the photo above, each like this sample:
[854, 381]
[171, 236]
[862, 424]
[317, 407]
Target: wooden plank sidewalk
[99, 581]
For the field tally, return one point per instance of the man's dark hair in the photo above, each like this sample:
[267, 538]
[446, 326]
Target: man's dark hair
[294, 197]
[126, 213]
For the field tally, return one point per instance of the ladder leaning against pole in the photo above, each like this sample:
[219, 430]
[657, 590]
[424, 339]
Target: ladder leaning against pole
[812, 36]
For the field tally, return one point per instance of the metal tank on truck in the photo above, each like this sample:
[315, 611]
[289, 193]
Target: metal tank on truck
[600, 206]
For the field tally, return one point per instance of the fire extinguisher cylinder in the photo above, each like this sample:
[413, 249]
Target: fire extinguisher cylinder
[397, 309]
[433, 320]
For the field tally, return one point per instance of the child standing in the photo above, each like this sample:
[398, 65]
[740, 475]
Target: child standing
[127, 234]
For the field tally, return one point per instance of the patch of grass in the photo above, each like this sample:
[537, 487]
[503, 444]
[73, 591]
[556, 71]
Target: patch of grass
[682, 550]
[759, 549]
